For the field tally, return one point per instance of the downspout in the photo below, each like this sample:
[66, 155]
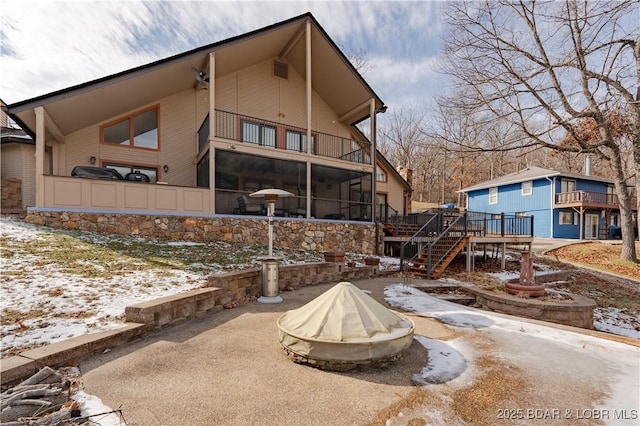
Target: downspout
[553, 198]
[372, 124]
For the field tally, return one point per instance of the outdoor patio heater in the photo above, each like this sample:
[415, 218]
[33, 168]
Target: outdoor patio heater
[270, 263]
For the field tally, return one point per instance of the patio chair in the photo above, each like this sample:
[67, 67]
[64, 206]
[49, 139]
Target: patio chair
[247, 206]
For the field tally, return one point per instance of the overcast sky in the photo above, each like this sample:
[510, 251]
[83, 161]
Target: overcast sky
[50, 45]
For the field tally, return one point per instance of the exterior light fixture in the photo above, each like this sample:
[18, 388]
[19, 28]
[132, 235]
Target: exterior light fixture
[92, 159]
[165, 168]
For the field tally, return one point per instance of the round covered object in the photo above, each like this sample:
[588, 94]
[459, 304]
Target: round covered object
[344, 326]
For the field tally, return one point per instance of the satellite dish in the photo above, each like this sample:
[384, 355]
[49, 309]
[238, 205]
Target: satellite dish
[200, 76]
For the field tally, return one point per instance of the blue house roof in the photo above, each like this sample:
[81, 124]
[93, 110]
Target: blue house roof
[530, 173]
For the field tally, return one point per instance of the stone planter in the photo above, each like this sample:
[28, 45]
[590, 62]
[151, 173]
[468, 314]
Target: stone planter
[372, 261]
[334, 256]
[531, 290]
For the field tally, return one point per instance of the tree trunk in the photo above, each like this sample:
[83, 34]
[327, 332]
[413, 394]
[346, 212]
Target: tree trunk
[626, 210]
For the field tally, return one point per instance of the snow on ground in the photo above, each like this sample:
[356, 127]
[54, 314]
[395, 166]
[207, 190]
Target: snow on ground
[62, 305]
[447, 360]
[57, 302]
[92, 408]
[61, 298]
[607, 319]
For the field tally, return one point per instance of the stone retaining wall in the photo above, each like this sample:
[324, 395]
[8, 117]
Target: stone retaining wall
[576, 313]
[306, 234]
[237, 287]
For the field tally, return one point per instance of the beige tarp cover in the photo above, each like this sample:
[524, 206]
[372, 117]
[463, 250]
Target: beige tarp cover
[344, 324]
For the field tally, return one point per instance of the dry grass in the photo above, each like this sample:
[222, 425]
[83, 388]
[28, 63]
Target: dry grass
[497, 388]
[415, 399]
[602, 256]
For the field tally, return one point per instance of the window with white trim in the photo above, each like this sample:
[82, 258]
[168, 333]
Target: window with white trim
[527, 188]
[566, 218]
[567, 185]
[493, 195]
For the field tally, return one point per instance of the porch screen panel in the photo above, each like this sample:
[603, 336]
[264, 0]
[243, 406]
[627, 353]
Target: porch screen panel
[241, 174]
[203, 133]
[341, 193]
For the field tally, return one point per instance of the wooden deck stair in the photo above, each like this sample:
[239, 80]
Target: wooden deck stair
[419, 265]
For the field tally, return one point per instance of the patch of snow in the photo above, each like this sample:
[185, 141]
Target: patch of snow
[624, 384]
[184, 244]
[454, 281]
[445, 362]
[505, 275]
[608, 320]
[91, 407]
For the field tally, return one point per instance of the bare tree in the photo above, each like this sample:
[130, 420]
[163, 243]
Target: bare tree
[358, 58]
[402, 136]
[545, 67]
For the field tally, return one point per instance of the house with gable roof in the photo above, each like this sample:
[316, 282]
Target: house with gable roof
[563, 205]
[196, 133]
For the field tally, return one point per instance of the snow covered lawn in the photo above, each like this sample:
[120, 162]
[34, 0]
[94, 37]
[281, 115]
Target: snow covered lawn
[58, 284]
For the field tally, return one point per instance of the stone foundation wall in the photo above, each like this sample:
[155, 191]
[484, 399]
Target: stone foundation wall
[238, 287]
[288, 232]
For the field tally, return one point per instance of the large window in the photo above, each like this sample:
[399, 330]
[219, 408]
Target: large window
[493, 195]
[139, 130]
[258, 133]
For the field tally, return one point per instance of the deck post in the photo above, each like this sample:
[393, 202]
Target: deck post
[212, 132]
[39, 155]
[308, 95]
[532, 226]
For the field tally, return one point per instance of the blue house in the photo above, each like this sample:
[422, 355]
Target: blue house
[563, 205]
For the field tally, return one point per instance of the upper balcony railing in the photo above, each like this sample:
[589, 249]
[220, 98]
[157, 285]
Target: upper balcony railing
[253, 130]
[588, 198]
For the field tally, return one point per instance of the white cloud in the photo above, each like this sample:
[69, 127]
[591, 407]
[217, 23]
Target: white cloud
[51, 45]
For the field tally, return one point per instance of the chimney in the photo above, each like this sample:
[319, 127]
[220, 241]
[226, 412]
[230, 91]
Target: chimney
[4, 122]
[587, 165]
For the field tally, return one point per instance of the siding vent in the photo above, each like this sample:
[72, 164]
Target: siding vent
[281, 69]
